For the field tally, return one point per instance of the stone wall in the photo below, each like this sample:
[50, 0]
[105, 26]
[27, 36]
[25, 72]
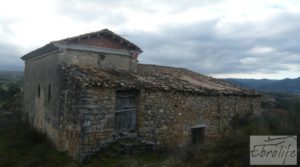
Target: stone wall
[167, 117]
[60, 116]
[86, 120]
[100, 60]
[96, 109]
[70, 118]
[41, 110]
[163, 117]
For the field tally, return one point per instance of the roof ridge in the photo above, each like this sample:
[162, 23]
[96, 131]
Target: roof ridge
[50, 46]
[105, 30]
[82, 35]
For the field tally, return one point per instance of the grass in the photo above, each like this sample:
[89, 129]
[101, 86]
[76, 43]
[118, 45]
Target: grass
[149, 159]
[2, 103]
[22, 146]
[112, 157]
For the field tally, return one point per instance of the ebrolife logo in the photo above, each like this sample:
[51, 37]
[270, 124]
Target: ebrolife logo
[273, 150]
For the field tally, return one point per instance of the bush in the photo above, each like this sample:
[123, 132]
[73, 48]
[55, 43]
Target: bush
[8, 91]
[13, 88]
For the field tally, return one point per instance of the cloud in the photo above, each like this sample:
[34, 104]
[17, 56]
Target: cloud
[9, 56]
[214, 37]
[201, 47]
[259, 50]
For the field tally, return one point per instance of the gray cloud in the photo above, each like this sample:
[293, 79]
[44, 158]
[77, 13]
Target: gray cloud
[106, 12]
[248, 46]
[199, 46]
[9, 53]
[10, 57]
[114, 12]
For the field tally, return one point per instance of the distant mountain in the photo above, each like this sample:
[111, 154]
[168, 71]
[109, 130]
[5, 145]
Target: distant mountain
[266, 85]
[11, 66]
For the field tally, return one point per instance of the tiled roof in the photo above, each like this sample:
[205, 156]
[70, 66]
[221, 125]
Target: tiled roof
[99, 33]
[40, 51]
[153, 77]
[52, 45]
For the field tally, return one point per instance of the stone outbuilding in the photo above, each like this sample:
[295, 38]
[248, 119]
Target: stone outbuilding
[89, 90]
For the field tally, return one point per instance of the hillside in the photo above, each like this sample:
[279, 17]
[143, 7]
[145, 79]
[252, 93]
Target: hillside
[284, 86]
[10, 84]
[10, 76]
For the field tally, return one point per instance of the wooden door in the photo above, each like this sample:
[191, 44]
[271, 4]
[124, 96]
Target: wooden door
[125, 113]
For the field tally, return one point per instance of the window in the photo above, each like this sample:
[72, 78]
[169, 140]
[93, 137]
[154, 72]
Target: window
[39, 91]
[198, 134]
[49, 92]
[125, 111]
[101, 57]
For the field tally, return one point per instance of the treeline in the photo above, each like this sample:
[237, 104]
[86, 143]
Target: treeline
[9, 90]
[10, 84]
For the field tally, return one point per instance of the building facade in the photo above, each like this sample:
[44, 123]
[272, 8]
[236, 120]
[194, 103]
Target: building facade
[87, 91]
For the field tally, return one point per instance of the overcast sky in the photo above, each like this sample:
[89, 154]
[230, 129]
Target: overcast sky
[221, 38]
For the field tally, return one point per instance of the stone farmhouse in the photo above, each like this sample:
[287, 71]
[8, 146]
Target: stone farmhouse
[89, 90]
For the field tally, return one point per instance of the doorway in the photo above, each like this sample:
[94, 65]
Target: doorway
[125, 111]
[198, 134]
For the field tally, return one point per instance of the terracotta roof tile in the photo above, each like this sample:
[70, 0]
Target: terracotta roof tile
[154, 77]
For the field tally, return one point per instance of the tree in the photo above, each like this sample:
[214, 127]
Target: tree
[3, 93]
[13, 88]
